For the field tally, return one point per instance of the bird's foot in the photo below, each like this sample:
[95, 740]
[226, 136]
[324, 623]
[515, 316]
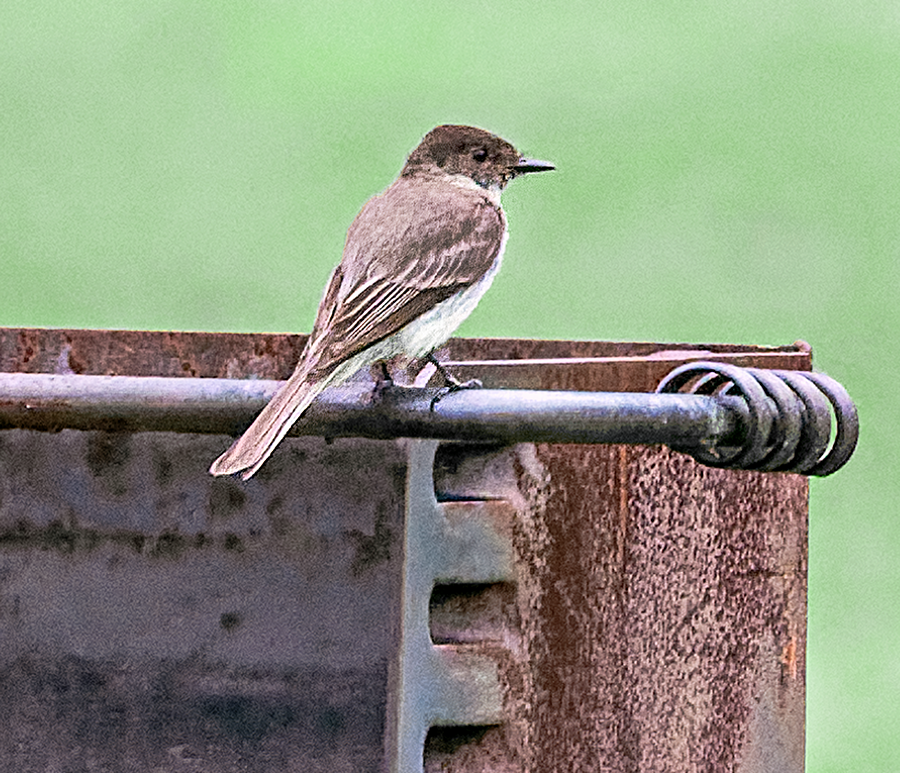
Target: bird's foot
[383, 381]
[451, 383]
[454, 386]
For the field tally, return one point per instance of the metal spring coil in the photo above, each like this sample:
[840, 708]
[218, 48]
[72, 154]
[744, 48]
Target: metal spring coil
[788, 419]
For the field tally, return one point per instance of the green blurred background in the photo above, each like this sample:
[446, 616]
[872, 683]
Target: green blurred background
[727, 171]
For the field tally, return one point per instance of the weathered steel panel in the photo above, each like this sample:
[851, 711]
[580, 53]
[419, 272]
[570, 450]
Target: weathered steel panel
[527, 364]
[661, 605]
[668, 595]
[660, 613]
[152, 618]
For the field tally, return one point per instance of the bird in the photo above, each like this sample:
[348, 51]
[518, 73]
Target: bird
[417, 259]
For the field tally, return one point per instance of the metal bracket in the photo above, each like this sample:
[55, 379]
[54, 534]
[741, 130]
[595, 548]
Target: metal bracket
[439, 684]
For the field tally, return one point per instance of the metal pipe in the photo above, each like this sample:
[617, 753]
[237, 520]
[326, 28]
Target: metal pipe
[124, 403]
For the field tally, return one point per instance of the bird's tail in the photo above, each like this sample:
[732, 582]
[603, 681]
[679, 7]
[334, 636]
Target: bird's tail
[252, 448]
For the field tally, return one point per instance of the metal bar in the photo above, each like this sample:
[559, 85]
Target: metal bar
[223, 406]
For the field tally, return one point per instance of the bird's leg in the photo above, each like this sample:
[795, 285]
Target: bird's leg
[451, 383]
[383, 380]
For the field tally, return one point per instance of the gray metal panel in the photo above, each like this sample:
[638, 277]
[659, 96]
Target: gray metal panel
[434, 684]
[152, 617]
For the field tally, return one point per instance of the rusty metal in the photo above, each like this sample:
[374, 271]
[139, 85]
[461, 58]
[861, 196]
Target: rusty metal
[154, 618]
[609, 366]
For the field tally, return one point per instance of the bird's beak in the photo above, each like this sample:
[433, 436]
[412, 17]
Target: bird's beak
[526, 165]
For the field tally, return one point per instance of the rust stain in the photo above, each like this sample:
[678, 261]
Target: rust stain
[623, 489]
[590, 365]
[789, 657]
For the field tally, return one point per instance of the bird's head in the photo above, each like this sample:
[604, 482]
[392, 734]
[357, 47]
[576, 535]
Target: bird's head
[471, 152]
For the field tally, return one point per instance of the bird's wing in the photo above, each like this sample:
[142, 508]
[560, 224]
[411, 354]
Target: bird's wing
[409, 249]
[327, 305]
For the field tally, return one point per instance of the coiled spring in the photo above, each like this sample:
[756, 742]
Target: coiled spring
[788, 419]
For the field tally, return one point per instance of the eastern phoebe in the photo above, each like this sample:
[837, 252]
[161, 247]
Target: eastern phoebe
[416, 261]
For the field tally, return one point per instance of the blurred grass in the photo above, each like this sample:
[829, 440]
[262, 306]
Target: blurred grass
[726, 172]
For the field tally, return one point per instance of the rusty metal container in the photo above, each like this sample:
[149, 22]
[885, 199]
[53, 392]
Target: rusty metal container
[371, 605]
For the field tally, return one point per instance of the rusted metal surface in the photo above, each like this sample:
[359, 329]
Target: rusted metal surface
[152, 618]
[668, 595]
[526, 364]
[660, 610]
[660, 614]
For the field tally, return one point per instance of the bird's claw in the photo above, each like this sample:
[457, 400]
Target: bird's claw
[383, 382]
[454, 386]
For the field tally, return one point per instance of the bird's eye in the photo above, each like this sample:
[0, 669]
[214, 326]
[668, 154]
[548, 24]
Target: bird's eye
[480, 155]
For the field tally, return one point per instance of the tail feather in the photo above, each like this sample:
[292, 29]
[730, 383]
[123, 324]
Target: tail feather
[252, 448]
